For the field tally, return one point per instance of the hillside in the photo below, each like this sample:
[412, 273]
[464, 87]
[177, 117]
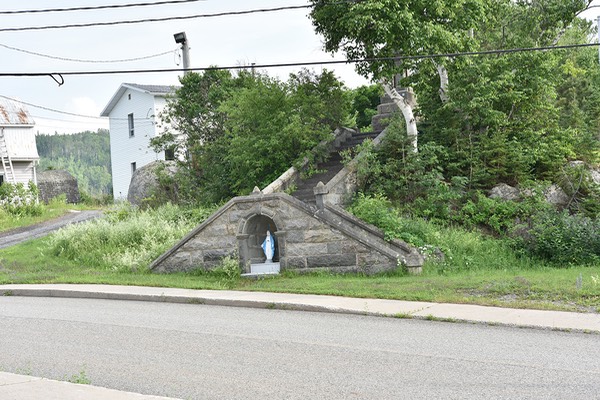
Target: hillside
[86, 155]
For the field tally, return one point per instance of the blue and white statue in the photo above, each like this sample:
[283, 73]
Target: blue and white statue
[268, 247]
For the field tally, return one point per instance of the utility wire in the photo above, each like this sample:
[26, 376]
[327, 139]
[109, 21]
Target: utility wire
[86, 61]
[69, 121]
[8, 12]
[417, 57]
[51, 109]
[110, 23]
[69, 113]
[304, 64]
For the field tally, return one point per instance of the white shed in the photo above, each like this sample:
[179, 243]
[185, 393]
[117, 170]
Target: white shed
[17, 143]
[133, 113]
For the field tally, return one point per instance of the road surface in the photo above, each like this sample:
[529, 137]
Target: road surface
[19, 235]
[194, 351]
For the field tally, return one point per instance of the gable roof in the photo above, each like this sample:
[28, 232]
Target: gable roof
[14, 113]
[154, 90]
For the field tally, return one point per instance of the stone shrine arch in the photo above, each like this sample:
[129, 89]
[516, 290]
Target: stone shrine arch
[252, 232]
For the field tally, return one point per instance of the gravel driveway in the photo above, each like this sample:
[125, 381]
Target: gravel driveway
[16, 236]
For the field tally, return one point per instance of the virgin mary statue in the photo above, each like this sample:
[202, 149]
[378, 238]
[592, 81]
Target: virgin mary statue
[268, 247]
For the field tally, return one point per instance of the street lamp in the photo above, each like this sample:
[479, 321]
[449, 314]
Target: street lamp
[180, 38]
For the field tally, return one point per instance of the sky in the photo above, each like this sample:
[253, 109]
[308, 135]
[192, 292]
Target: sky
[262, 38]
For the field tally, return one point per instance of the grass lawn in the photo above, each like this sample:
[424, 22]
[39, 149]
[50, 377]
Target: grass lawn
[539, 288]
[53, 210]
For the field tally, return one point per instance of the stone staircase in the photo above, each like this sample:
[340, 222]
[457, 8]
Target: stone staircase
[329, 168]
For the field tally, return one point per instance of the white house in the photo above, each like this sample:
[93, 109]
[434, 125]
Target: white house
[17, 143]
[133, 113]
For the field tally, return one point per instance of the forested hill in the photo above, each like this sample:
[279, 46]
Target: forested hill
[85, 155]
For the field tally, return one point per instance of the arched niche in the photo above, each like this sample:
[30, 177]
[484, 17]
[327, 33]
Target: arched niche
[253, 233]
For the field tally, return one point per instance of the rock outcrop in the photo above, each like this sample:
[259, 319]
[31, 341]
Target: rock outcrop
[145, 182]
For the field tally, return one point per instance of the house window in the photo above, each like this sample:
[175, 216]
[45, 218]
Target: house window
[133, 167]
[130, 124]
[1, 179]
[129, 96]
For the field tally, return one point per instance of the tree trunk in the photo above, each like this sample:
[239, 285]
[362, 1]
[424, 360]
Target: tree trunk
[443, 73]
[407, 112]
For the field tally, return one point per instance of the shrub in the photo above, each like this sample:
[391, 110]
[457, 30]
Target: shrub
[496, 215]
[378, 210]
[576, 180]
[19, 200]
[563, 238]
[229, 271]
[95, 200]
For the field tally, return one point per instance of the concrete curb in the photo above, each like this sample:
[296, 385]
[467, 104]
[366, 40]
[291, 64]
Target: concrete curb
[557, 320]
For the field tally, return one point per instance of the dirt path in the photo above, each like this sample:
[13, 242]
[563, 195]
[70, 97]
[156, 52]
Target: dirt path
[16, 236]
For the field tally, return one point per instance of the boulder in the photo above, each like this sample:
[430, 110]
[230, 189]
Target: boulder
[144, 181]
[594, 172]
[505, 192]
[556, 196]
[53, 183]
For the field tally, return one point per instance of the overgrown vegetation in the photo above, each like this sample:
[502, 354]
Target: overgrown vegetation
[526, 119]
[19, 206]
[127, 239]
[19, 200]
[491, 274]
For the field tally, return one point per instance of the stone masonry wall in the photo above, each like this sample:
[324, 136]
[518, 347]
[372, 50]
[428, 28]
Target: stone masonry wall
[342, 187]
[306, 239]
[54, 183]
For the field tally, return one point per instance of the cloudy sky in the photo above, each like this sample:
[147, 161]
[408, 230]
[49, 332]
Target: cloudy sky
[262, 38]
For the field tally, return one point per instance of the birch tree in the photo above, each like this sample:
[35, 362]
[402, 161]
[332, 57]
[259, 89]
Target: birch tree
[374, 29]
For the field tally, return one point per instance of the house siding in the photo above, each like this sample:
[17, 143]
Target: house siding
[124, 149]
[24, 171]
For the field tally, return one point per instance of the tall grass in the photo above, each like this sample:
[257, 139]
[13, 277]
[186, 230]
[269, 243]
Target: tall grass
[128, 239]
[464, 250]
[449, 248]
[54, 209]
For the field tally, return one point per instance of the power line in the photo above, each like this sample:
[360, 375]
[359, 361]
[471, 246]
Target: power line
[145, 119]
[69, 121]
[51, 109]
[221, 14]
[302, 64]
[8, 12]
[86, 61]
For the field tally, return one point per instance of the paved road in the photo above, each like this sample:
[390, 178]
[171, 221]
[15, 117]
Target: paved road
[195, 351]
[16, 236]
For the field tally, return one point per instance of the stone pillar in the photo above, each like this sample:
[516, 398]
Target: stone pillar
[320, 191]
[281, 236]
[243, 251]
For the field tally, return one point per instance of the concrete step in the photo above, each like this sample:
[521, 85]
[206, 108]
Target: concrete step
[380, 121]
[387, 108]
[330, 167]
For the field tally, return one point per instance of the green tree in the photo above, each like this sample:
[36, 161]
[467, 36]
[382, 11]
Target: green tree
[244, 130]
[375, 29]
[365, 100]
[507, 119]
[86, 155]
